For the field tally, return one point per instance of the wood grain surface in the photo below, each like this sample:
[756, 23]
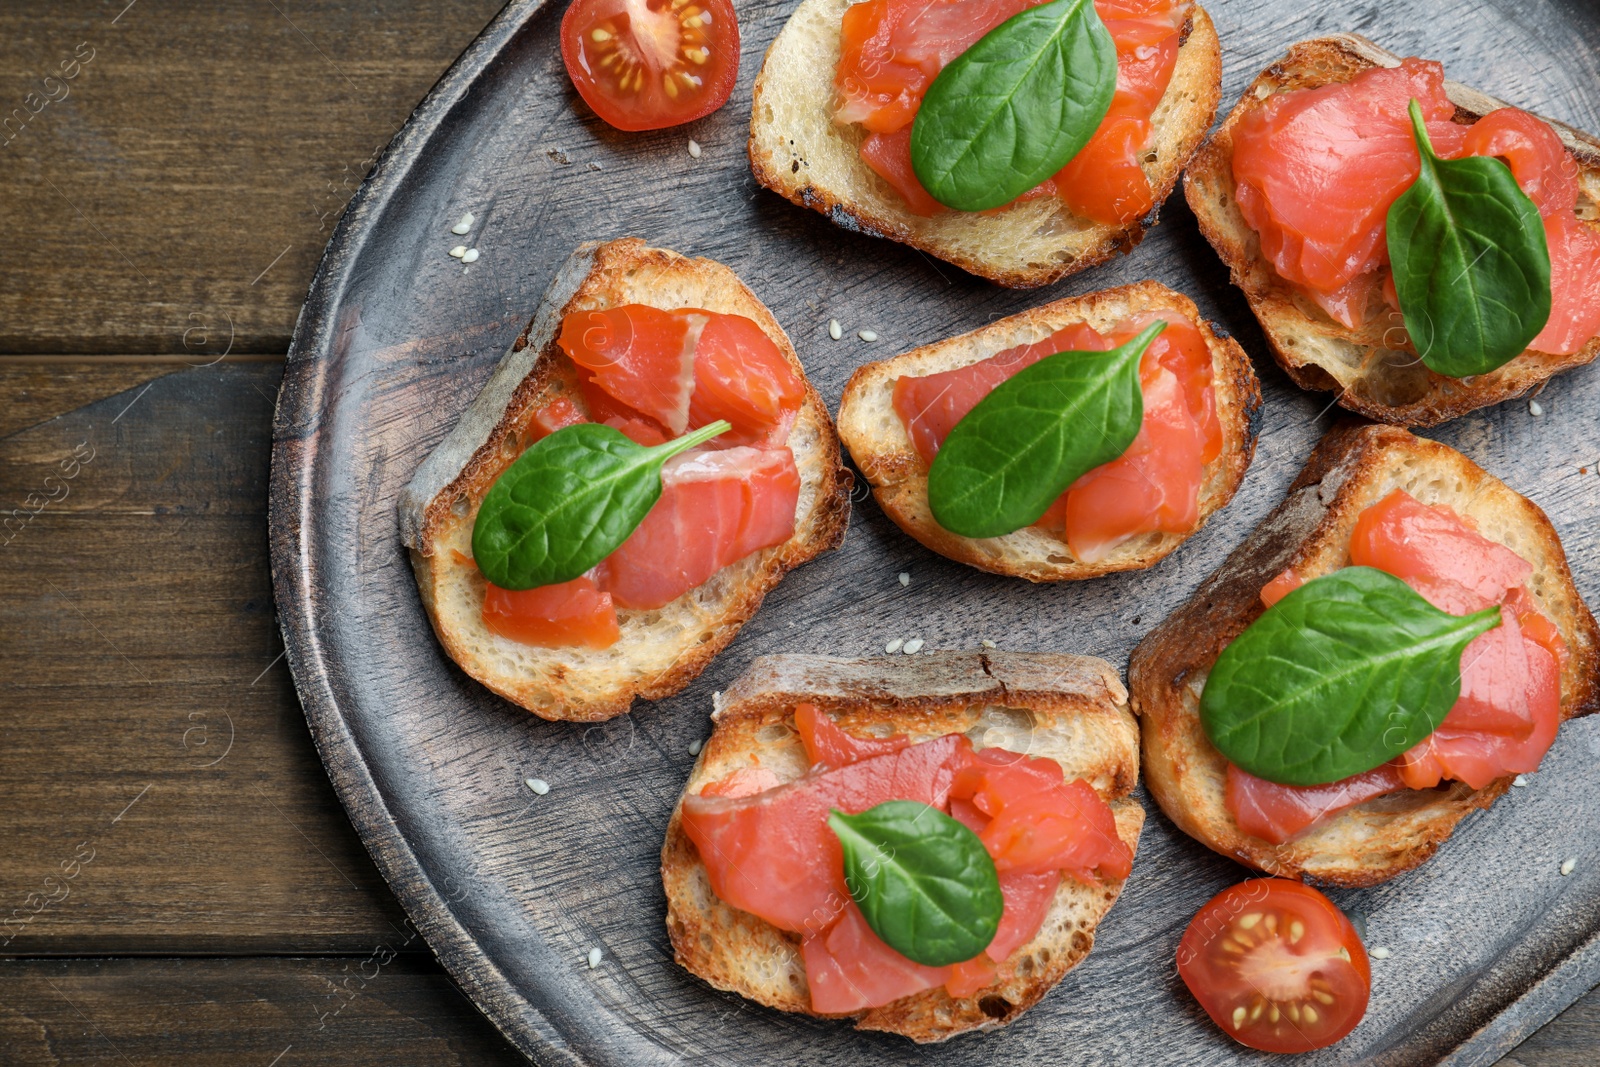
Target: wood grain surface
[200, 144]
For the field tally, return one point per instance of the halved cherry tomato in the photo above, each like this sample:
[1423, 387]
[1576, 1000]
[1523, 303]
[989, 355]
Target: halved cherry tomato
[650, 64]
[1277, 965]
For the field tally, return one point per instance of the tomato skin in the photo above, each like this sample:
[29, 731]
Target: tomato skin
[651, 64]
[1266, 988]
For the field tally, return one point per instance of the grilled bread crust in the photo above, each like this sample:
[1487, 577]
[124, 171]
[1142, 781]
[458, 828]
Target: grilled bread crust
[798, 152]
[1353, 467]
[1386, 384]
[1072, 709]
[661, 650]
[882, 449]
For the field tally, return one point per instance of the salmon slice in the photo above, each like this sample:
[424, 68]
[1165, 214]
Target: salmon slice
[1409, 539]
[932, 404]
[716, 508]
[1027, 901]
[892, 50]
[1154, 485]
[1105, 181]
[740, 376]
[1509, 707]
[1281, 813]
[1316, 171]
[639, 355]
[850, 969]
[1038, 822]
[556, 415]
[1537, 158]
[773, 854]
[829, 746]
[574, 613]
[1574, 286]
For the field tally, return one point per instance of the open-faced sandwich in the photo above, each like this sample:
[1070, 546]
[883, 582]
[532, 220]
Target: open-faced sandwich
[1396, 642]
[924, 845]
[1414, 245]
[1090, 435]
[644, 465]
[1020, 140]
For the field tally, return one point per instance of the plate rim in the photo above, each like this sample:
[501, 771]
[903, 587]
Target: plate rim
[289, 499]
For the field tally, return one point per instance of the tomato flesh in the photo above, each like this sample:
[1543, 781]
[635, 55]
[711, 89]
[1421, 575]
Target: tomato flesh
[1154, 485]
[1277, 966]
[650, 64]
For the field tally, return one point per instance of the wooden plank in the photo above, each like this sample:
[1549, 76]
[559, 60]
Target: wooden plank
[372, 1008]
[36, 390]
[175, 192]
[1571, 1039]
[359, 1009]
[160, 791]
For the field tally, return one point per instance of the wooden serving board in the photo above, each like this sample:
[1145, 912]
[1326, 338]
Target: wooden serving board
[512, 890]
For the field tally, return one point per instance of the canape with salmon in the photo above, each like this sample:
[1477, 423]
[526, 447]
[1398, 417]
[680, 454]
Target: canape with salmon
[1296, 191]
[1396, 574]
[1183, 456]
[830, 787]
[849, 118]
[642, 467]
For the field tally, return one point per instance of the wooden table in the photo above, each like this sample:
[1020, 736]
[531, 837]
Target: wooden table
[180, 883]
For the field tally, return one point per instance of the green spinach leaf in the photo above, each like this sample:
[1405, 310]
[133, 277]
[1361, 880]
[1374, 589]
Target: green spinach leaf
[1340, 676]
[1015, 107]
[1471, 263]
[568, 502]
[1035, 434]
[924, 882]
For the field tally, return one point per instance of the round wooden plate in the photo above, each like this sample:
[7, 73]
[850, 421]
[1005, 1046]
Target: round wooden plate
[513, 890]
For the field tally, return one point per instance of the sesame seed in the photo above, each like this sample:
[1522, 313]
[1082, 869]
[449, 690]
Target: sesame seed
[464, 226]
[867, 335]
[470, 256]
[1568, 866]
[913, 646]
[1519, 781]
[894, 646]
[539, 786]
[833, 329]
[1379, 953]
[694, 148]
[1535, 408]
[458, 251]
[986, 643]
[594, 957]
[905, 579]
[695, 746]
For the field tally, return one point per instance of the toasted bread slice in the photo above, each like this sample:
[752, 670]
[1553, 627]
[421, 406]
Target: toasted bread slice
[660, 650]
[882, 449]
[798, 152]
[1072, 709]
[1383, 383]
[1353, 467]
